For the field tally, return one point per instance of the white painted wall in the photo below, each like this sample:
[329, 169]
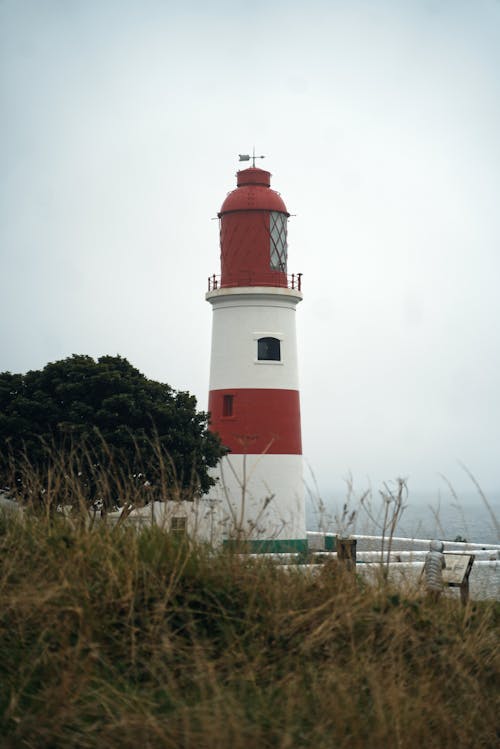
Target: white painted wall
[204, 519]
[240, 317]
[263, 496]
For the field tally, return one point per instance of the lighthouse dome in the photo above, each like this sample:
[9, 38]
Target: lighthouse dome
[253, 193]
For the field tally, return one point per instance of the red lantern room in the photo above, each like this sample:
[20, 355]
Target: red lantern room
[253, 233]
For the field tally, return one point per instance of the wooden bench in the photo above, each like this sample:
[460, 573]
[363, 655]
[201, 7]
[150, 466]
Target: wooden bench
[457, 571]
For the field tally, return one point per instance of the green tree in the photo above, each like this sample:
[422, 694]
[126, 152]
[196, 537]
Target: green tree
[104, 415]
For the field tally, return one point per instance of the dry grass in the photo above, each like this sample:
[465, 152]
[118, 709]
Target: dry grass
[113, 638]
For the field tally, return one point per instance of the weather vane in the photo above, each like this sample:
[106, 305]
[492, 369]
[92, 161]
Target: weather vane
[247, 157]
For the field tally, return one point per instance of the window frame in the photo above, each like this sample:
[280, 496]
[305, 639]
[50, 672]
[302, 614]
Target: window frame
[269, 337]
[227, 406]
[278, 241]
[178, 525]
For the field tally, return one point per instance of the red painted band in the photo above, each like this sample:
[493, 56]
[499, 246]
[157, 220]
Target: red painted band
[255, 421]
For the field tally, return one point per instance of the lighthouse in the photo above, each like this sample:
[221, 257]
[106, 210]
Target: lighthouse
[254, 388]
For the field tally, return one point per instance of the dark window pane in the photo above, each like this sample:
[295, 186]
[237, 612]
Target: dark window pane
[268, 349]
[227, 405]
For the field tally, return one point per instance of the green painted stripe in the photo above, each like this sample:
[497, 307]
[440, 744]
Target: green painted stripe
[330, 543]
[267, 546]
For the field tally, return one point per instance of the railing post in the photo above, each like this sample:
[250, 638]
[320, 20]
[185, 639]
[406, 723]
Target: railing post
[299, 281]
[293, 280]
[346, 552]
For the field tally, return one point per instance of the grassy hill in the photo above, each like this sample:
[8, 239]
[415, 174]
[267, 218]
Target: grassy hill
[113, 638]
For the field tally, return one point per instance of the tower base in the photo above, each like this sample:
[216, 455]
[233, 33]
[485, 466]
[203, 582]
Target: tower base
[262, 501]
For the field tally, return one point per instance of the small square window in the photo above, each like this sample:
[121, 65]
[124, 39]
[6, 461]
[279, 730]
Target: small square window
[269, 349]
[227, 405]
[179, 525]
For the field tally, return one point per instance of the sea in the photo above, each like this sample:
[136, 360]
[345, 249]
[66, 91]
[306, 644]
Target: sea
[467, 516]
[425, 515]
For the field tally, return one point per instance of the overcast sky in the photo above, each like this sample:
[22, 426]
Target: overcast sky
[380, 120]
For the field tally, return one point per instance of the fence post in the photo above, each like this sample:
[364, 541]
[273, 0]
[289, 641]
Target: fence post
[346, 552]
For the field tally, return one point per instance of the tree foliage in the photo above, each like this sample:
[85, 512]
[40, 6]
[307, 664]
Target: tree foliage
[103, 414]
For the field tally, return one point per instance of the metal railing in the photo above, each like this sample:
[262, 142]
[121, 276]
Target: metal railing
[292, 281]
